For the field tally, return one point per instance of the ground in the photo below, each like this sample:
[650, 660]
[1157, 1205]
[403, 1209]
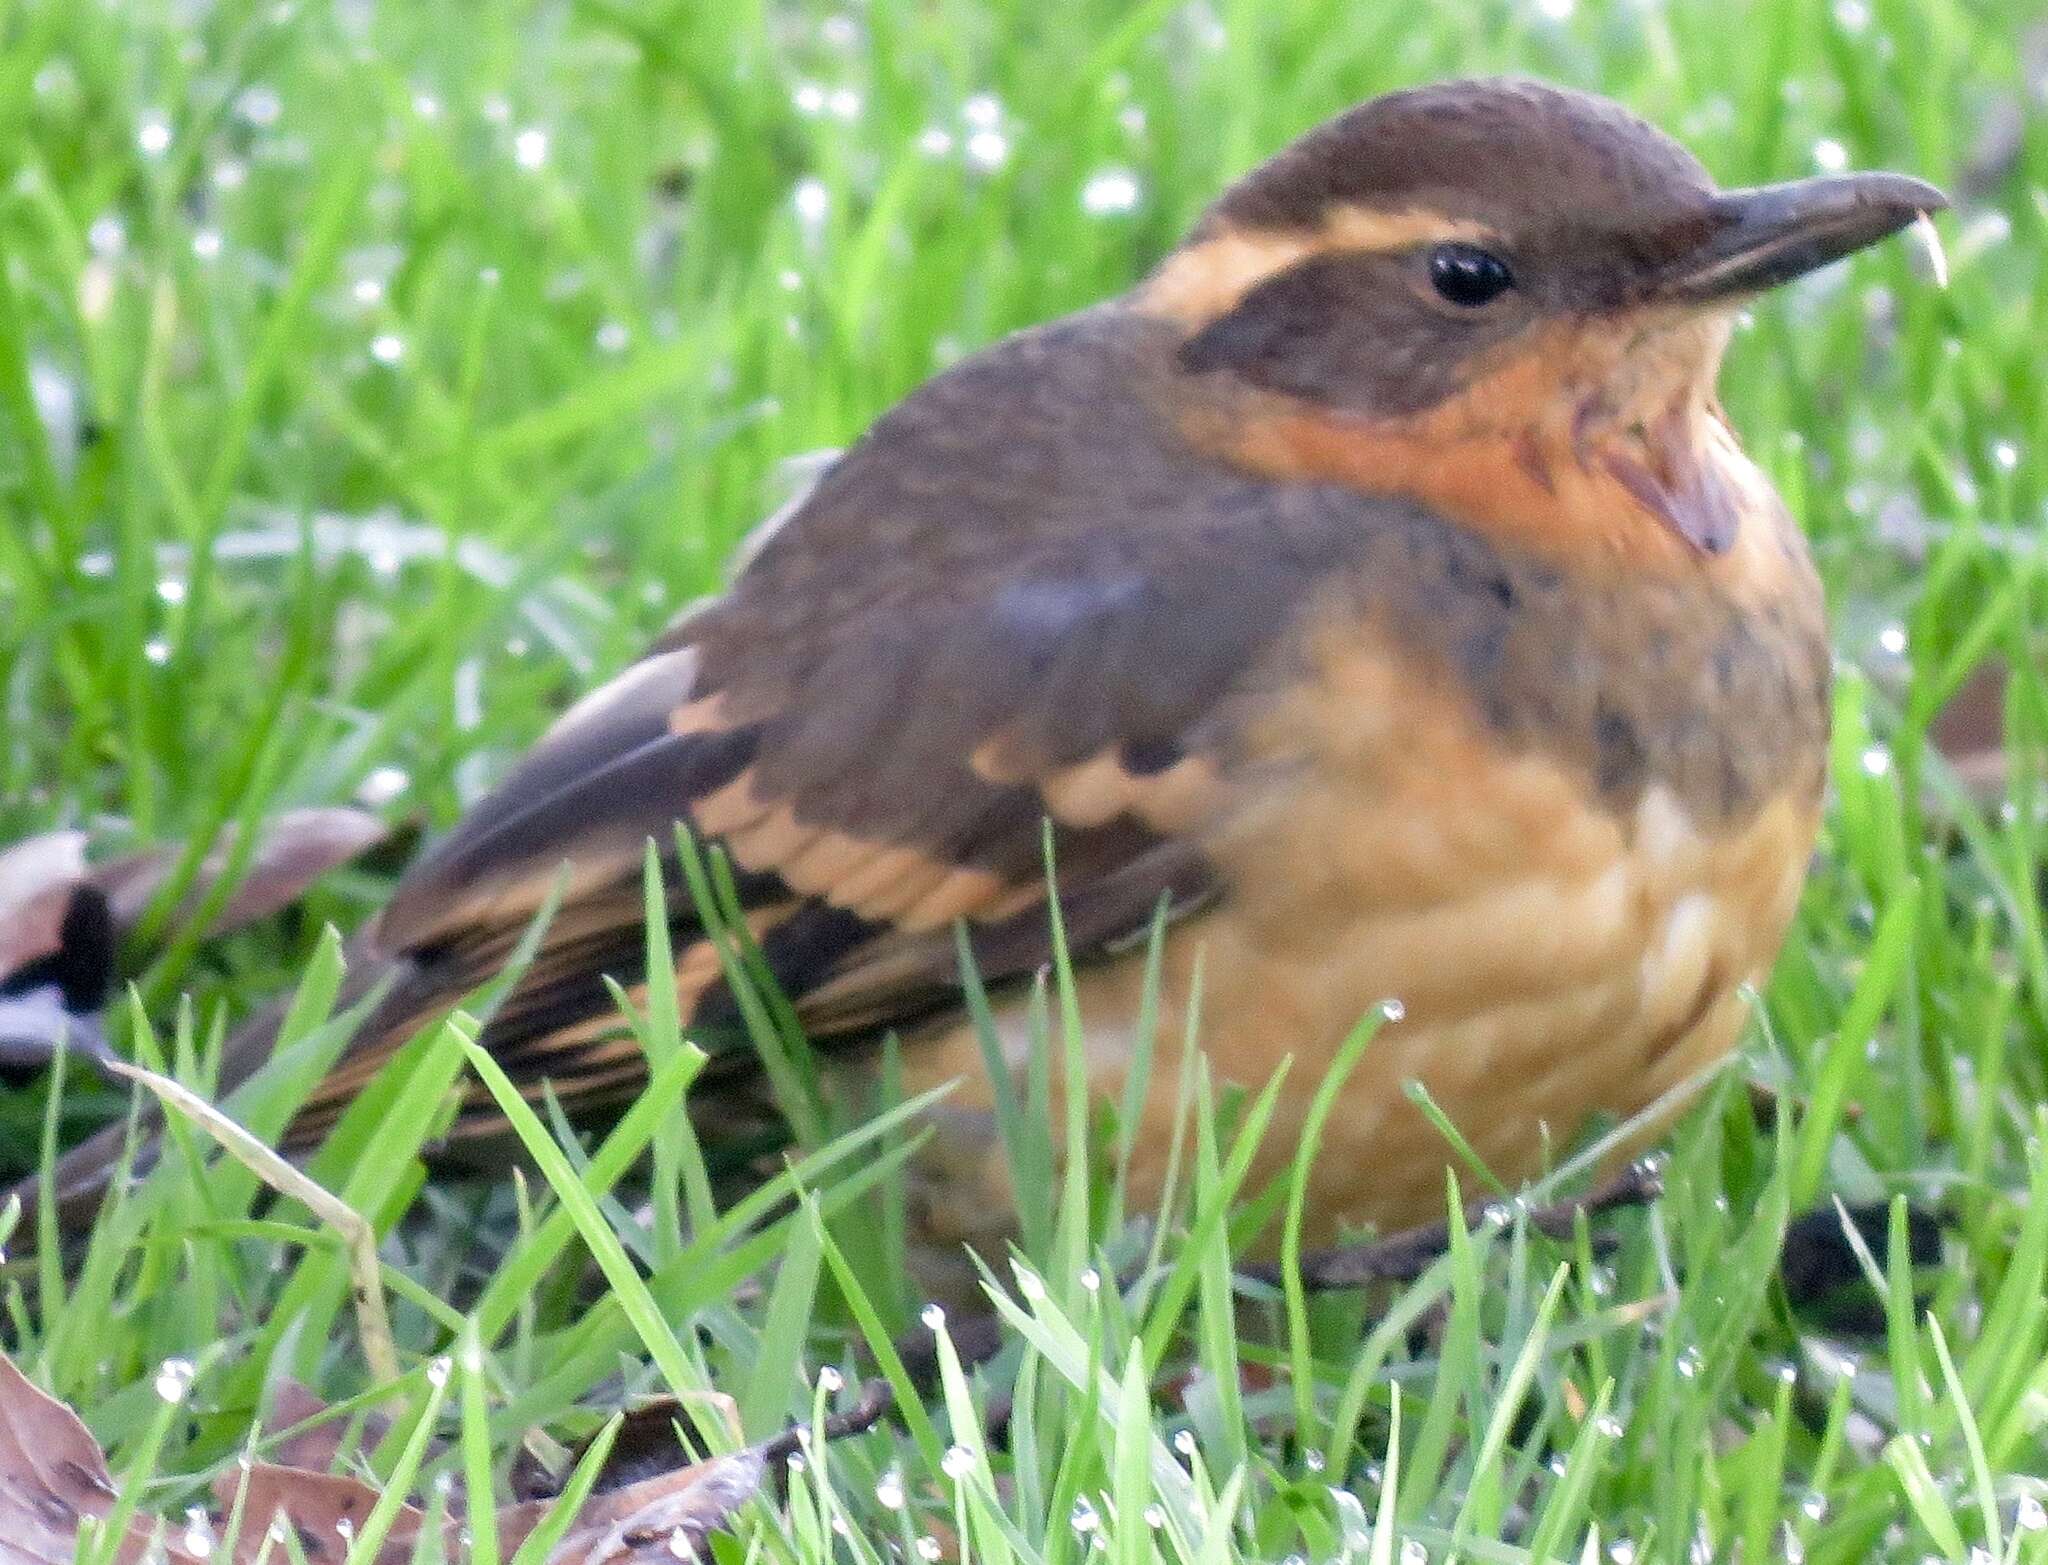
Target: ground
[375, 377]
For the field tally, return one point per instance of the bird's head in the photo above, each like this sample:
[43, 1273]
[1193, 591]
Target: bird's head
[1494, 261]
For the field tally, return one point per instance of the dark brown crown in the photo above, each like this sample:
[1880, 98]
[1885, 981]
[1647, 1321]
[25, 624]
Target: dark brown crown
[1513, 155]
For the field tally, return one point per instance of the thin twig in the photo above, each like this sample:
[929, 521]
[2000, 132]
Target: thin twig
[875, 1399]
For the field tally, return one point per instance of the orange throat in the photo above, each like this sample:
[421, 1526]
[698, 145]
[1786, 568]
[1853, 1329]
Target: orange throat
[1611, 449]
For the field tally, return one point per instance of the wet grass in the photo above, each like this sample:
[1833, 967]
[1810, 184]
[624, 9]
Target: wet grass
[375, 378]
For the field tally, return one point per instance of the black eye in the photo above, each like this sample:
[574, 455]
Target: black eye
[1467, 275]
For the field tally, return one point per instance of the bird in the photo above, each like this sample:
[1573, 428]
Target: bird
[1375, 600]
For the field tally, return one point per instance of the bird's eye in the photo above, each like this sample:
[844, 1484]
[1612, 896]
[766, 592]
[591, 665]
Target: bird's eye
[1467, 275]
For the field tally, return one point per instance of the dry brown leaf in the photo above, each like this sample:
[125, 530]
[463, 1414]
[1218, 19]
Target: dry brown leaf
[37, 878]
[295, 849]
[645, 1445]
[1969, 731]
[323, 1512]
[63, 921]
[53, 1475]
[319, 1444]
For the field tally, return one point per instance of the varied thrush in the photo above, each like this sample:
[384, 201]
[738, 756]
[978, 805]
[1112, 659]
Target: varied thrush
[1377, 588]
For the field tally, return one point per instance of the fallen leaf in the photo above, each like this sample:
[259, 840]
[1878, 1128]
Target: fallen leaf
[36, 880]
[322, 1511]
[53, 1475]
[296, 848]
[646, 1444]
[63, 921]
[1969, 731]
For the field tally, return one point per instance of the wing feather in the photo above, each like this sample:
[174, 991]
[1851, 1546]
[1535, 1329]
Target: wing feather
[1019, 598]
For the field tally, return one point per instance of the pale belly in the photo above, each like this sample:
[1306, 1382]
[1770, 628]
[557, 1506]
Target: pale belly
[1553, 962]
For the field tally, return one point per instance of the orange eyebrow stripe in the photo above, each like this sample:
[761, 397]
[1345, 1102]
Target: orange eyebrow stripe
[1204, 280]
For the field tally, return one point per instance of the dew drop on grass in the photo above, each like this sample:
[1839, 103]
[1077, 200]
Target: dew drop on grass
[259, 105]
[988, 149]
[171, 590]
[345, 1529]
[2006, 455]
[1830, 156]
[933, 1316]
[1083, 1517]
[387, 347]
[829, 1379]
[366, 290]
[530, 147]
[1413, 1553]
[1393, 1010]
[984, 111]
[1690, 1363]
[1184, 1442]
[107, 236]
[1314, 1461]
[613, 337]
[1794, 1551]
[935, 141]
[1877, 761]
[153, 136]
[1029, 1284]
[2031, 1515]
[426, 105]
[1622, 1551]
[811, 200]
[158, 651]
[957, 1463]
[1556, 10]
[1893, 640]
[1110, 193]
[843, 104]
[928, 1548]
[206, 244]
[1155, 1517]
[198, 1538]
[1852, 16]
[1091, 1279]
[808, 98]
[1814, 1505]
[437, 1372]
[795, 1462]
[889, 1490]
[1132, 118]
[1608, 1427]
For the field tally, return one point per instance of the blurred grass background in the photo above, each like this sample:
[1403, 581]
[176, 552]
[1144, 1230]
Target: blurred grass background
[375, 377]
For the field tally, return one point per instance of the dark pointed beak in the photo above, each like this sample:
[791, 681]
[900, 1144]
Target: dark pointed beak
[1769, 235]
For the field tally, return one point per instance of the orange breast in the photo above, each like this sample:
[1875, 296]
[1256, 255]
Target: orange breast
[1555, 959]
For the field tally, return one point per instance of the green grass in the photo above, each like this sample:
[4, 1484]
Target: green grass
[373, 378]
